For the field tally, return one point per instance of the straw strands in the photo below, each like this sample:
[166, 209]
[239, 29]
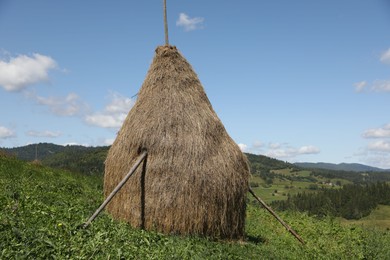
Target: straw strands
[195, 178]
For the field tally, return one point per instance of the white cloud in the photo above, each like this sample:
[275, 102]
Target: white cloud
[381, 86]
[382, 132]
[359, 86]
[69, 105]
[308, 150]
[108, 141]
[274, 146]
[282, 151]
[46, 133]
[376, 86]
[279, 150]
[257, 145]
[381, 161]
[113, 114]
[243, 147]
[385, 57]
[19, 72]
[75, 143]
[105, 120]
[189, 24]
[6, 133]
[379, 146]
[119, 104]
[376, 152]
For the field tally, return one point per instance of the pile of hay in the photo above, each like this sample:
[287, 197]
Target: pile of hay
[196, 178]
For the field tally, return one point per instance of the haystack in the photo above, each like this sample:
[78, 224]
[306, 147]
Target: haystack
[195, 178]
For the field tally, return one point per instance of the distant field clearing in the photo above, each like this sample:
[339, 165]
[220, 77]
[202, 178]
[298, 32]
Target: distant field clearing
[379, 218]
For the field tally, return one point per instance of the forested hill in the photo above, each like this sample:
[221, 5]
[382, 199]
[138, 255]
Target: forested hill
[76, 158]
[41, 151]
[90, 160]
[354, 167]
[268, 161]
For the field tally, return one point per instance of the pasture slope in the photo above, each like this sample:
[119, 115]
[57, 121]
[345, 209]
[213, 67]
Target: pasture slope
[41, 209]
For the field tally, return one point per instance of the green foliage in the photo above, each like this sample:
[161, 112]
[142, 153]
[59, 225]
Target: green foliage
[349, 167]
[355, 177]
[378, 219]
[263, 164]
[89, 160]
[41, 209]
[35, 151]
[325, 238]
[350, 202]
[75, 158]
[313, 187]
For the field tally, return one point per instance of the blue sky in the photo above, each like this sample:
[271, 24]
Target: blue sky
[295, 80]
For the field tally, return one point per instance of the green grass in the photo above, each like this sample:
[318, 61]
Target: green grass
[279, 189]
[379, 218]
[284, 186]
[288, 171]
[41, 209]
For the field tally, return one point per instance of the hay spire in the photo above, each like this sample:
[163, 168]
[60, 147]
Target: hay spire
[196, 178]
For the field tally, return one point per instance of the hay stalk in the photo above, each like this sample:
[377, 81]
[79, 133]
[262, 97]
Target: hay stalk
[196, 179]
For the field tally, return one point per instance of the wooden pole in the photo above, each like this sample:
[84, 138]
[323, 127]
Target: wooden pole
[277, 217]
[117, 188]
[166, 23]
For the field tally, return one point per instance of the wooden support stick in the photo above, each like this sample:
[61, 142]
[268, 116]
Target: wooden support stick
[117, 188]
[165, 23]
[277, 217]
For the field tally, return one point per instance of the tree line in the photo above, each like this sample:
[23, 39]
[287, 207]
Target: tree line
[352, 201]
[355, 177]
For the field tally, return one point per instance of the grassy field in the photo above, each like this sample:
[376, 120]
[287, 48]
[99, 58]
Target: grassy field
[41, 210]
[278, 190]
[281, 186]
[379, 219]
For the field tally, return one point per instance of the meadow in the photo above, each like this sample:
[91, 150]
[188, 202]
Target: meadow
[41, 210]
[378, 219]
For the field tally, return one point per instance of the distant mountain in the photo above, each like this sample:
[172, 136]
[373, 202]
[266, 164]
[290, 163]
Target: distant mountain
[90, 160]
[354, 167]
[40, 151]
[76, 158]
[260, 162]
[87, 160]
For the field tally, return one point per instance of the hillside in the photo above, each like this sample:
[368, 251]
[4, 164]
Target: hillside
[264, 163]
[354, 167]
[76, 158]
[36, 151]
[42, 151]
[86, 160]
[41, 209]
[90, 160]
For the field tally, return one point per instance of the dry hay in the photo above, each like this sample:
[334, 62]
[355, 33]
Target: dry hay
[196, 177]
